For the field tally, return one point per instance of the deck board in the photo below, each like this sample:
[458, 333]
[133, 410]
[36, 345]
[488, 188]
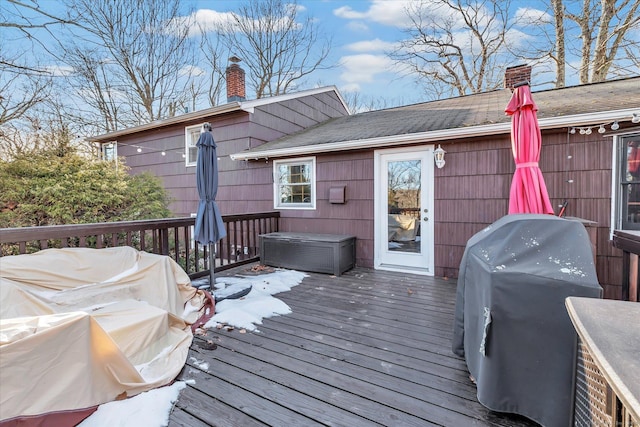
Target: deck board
[363, 349]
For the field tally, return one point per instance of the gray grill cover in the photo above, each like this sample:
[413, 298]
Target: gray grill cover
[511, 324]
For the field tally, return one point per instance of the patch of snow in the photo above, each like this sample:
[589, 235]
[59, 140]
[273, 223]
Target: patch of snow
[152, 408]
[149, 409]
[199, 363]
[259, 303]
[572, 271]
[188, 309]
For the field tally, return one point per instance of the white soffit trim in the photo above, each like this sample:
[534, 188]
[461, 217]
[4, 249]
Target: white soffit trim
[249, 106]
[225, 108]
[438, 135]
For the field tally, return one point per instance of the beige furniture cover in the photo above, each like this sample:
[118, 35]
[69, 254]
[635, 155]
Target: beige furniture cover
[402, 228]
[81, 327]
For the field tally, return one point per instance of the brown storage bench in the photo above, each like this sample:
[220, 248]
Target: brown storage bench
[320, 253]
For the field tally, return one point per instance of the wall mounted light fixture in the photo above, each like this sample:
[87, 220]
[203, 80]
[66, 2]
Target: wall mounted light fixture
[438, 156]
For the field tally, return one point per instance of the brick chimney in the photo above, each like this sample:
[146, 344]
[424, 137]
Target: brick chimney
[235, 81]
[517, 74]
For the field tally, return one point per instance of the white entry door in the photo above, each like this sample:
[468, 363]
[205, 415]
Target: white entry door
[403, 210]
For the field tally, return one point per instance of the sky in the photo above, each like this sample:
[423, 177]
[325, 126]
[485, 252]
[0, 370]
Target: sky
[361, 30]
[152, 408]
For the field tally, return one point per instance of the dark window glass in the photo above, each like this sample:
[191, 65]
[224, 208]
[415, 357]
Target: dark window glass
[630, 182]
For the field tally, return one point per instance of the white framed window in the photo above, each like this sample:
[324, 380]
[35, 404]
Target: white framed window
[626, 171]
[109, 151]
[191, 135]
[294, 183]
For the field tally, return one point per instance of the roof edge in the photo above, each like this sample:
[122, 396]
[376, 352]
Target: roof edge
[575, 120]
[248, 106]
[220, 109]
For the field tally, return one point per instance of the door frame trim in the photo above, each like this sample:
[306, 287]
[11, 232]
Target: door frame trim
[378, 210]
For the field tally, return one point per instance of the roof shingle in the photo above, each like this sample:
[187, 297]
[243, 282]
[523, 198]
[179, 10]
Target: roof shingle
[464, 111]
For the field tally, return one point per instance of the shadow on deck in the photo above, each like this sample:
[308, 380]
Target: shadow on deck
[364, 349]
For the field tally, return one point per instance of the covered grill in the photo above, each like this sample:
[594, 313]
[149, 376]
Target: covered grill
[511, 324]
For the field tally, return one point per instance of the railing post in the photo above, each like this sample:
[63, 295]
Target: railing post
[164, 241]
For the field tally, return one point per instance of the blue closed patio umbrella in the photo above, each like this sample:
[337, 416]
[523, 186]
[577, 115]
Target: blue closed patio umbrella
[209, 227]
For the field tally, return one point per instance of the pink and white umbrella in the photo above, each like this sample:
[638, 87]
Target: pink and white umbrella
[528, 191]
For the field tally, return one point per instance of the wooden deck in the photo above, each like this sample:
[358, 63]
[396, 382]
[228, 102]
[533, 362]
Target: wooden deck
[364, 349]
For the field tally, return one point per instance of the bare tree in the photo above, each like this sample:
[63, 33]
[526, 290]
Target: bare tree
[403, 184]
[24, 83]
[597, 32]
[129, 58]
[214, 55]
[559, 53]
[278, 51]
[19, 92]
[46, 126]
[633, 53]
[615, 20]
[455, 46]
[102, 102]
[357, 102]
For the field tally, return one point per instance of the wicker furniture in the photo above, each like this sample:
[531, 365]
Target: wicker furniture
[607, 392]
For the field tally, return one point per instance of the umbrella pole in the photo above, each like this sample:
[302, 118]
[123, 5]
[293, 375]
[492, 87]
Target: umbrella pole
[212, 266]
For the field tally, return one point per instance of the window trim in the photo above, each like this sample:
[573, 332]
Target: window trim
[103, 151]
[187, 136]
[276, 187]
[618, 182]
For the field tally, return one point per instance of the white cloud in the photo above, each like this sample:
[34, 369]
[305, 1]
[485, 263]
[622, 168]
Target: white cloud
[210, 19]
[375, 45]
[386, 12]
[347, 13]
[191, 71]
[206, 20]
[357, 26]
[528, 16]
[201, 21]
[350, 87]
[58, 70]
[516, 38]
[363, 68]
[298, 7]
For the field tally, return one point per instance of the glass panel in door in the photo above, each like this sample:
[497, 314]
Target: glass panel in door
[404, 194]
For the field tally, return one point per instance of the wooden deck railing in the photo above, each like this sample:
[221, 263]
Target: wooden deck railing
[170, 236]
[629, 242]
